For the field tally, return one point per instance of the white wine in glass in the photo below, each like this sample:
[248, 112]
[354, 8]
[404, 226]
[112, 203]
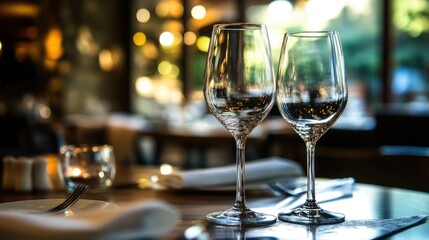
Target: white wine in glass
[239, 89]
[311, 95]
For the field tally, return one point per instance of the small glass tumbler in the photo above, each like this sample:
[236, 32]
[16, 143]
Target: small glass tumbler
[91, 165]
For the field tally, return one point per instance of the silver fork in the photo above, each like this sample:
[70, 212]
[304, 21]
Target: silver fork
[77, 193]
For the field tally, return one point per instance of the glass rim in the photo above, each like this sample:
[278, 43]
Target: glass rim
[312, 34]
[86, 147]
[239, 26]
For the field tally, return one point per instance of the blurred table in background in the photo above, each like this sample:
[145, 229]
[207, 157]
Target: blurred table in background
[204, 143]
[200, 143]
[352, 147]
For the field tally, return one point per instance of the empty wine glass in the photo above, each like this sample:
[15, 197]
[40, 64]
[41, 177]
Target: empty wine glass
[239, 90]
[311, 95]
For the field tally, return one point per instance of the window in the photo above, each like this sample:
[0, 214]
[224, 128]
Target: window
[173, 76]
[359, 25]
[410, 80]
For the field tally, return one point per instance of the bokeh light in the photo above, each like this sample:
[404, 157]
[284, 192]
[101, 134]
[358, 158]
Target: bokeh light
[139, 38]
[53, 44]
[144, 86]
[45, 112]
[198, 12]
[169, 8]
[167, 68]
[105, 59]
[278, 10]
[143, 15]
[203, 43]
[320, 12]
[150, 50]
[177, 38]
[166, 39]
[164, 67]
[190, 38]
[166, 169]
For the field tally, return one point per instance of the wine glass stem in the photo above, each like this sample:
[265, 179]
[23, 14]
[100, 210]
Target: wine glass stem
[311, 191]
[240, 201]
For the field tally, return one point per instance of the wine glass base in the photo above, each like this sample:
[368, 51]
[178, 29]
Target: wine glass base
[306, 216]
[233, 217]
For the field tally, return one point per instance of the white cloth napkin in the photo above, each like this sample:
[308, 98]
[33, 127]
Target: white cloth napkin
[137, 221]
[256, 171]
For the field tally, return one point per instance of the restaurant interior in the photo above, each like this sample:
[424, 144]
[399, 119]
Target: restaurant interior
[130, 74]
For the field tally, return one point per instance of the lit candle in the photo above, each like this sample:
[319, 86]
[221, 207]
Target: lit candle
[74, 172]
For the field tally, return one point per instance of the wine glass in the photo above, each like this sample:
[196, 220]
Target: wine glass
[311, 95]
[239, 89]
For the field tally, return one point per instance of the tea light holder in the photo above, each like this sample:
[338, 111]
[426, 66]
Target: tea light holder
[91, 165]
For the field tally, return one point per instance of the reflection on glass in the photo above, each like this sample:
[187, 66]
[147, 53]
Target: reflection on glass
[239, 91]
[311, 96]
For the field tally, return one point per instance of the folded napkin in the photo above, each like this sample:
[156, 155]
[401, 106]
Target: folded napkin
[137, 221]
[256, 171]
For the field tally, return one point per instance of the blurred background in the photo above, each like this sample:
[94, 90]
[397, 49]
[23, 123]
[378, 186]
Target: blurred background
[130, 73]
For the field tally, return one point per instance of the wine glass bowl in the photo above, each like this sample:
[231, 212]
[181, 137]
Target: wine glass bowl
[239, 89]
[311, 95]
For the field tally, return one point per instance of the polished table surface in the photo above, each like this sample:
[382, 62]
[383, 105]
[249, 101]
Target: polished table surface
[367, 202]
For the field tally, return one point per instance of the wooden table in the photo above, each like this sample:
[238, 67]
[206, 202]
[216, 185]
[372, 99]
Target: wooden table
[368, 202]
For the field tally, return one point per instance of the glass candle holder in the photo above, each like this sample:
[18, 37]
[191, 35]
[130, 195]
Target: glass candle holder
[91, 165]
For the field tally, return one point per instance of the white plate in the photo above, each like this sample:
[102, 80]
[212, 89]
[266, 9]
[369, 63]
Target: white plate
[82, 206]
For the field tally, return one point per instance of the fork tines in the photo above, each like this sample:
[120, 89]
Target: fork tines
[73, 198]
